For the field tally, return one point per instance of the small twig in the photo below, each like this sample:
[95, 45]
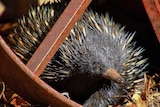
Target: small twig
[3, 89]
[2, 95]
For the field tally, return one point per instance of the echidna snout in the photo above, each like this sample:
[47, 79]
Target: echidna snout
[112, 74]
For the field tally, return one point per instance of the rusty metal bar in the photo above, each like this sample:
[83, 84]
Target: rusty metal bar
[25, 83]
[152, 8]
[157, 5]
[56, 36]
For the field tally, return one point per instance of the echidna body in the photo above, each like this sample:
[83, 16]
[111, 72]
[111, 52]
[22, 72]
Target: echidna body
[95, 44]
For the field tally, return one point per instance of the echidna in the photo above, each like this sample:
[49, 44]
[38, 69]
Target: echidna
[94, 47]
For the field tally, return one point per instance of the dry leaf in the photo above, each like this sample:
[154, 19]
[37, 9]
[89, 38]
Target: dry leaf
[17, 101]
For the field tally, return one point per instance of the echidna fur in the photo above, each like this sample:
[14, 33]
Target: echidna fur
[95, 44]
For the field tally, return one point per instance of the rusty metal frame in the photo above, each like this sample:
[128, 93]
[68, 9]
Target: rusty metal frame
[152, 8]
[23, 79]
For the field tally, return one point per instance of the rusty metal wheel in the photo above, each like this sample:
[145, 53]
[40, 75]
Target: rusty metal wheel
[24, 79]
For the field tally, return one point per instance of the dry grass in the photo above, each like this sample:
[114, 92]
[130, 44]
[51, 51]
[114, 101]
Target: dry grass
[148, 97]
